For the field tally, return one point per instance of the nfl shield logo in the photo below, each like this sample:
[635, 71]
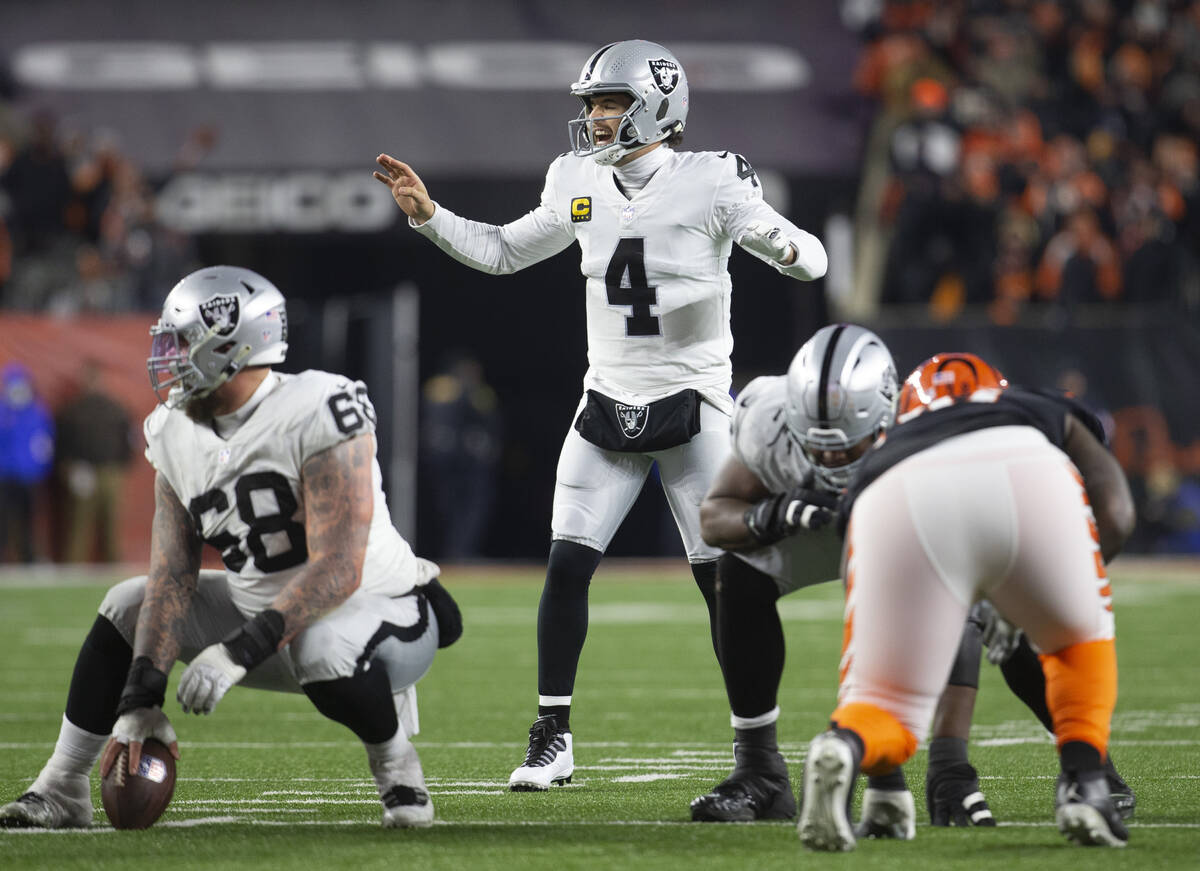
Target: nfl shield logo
[666, 74]
[221, 312]
[632, 418]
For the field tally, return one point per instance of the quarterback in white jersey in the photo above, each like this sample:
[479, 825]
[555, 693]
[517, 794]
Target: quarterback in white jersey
[277, 473]
[655, 227]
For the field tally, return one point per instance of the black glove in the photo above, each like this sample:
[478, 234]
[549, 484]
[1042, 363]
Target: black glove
[445, 610]
[782, 514]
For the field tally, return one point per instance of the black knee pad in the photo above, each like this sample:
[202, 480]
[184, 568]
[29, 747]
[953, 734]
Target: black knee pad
[965, 672]
[362, 703]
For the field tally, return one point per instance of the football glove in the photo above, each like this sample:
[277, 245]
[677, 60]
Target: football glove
[133, 728]
[768, 241]
[999, 636]
[782, 514]
[207, 678]
[219, 666]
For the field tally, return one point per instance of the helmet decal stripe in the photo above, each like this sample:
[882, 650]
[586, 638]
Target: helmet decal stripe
[823, 384]
[596, 59]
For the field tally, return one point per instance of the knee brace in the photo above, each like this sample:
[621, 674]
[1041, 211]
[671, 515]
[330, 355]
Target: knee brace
[965, 671]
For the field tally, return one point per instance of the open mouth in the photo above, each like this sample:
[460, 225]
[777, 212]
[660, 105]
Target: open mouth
[601, 135]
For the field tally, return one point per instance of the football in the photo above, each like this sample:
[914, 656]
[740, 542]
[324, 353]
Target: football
[136, 801]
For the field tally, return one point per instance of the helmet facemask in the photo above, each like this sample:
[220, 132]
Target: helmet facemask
[175, 373]
[624, 142]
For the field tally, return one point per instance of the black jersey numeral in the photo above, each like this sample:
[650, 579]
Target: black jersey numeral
[626, 283]
[276, 521]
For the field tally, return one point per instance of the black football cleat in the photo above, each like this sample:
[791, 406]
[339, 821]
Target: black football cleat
[1121, 793]
[757, 789]
[1084, 810]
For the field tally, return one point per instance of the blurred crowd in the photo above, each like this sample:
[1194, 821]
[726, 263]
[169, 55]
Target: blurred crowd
[62, 470]
[78, 230]
[1030, 152]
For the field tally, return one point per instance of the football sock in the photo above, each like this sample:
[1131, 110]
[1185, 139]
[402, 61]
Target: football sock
[362, 703]
[75, 752]
[100, 671]
[705, 574]
[759, 736]
[892, 781]
[1079, 756]
[946, 750]
[1081, 690]
[563, 615]
[1023, 673]
[887, 743]
[750, 637]
[395, 761]
[560, 713]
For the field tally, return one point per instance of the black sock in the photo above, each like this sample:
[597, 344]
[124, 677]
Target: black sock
[946, 750]
[563, 615]
[750, 637]
[1076, 756]
[362, 703]
[99, 678]
[560, 713]
[759, 736]
[853, 739]
[893, 781]
[1024, 676]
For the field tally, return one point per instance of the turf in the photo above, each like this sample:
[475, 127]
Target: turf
[265, 782]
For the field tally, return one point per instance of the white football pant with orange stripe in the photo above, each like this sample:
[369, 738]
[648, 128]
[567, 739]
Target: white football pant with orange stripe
[999, 514]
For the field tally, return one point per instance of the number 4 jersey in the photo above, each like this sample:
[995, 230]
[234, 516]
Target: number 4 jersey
[243, 487]
[656, 264]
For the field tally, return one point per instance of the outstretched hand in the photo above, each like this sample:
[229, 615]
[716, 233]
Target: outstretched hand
[407, 188]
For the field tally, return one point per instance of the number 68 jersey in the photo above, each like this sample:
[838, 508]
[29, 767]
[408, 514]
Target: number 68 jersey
[243, 488]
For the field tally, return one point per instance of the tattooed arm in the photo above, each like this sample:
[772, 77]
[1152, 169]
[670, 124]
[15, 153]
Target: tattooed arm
[338, 505]
[174, 567]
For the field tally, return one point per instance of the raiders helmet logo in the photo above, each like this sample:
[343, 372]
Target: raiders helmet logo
[221, 312]
[632, 418]
[666, 74]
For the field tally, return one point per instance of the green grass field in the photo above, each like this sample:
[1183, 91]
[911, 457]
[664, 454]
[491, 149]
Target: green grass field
[266, 782]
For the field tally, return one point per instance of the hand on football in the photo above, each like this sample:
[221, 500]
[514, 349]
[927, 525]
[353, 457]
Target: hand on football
[133, 728]
[207, 678]
[768, 241]
[1000, 636]
[407, 188]
[784, 514]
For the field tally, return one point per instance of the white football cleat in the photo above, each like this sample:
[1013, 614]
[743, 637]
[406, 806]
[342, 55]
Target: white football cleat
[829, 773]
[401, 784]
[548, 760]
[64, 803]
[887, 813]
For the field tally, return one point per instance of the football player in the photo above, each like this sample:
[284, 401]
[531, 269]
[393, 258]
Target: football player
[320, 594]
[655, 227]
[797, 439]
[981, 490]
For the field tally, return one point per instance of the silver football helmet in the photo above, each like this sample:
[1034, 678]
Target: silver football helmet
[841, 389]
[648, 73]
[215, 322]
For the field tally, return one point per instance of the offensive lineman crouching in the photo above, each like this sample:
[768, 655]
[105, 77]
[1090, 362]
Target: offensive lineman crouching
[320, 594]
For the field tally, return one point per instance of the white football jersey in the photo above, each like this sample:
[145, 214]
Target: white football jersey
[656, 263]
[762, 444]
[244, 490]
